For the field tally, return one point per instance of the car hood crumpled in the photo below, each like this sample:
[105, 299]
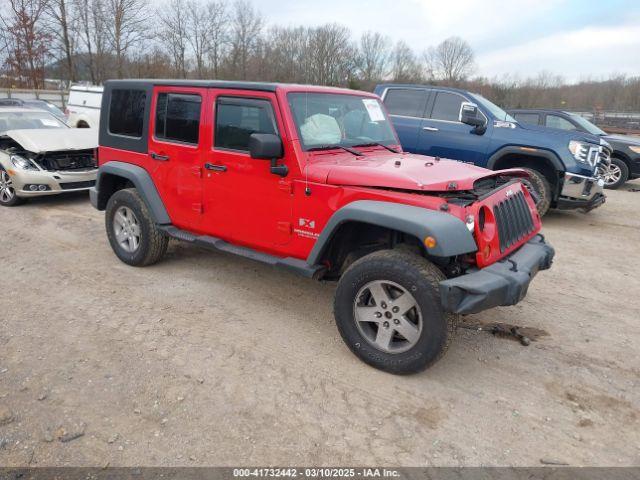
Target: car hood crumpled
[55, 139]
[402, 171]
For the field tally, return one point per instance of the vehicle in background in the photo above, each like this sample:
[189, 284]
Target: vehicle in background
[83, 106]
[457, 124]
[312, 179]
[34, 103]
[625, 156]
[41, 155]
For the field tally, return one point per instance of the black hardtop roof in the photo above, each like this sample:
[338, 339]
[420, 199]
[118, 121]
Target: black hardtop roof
[261, 86]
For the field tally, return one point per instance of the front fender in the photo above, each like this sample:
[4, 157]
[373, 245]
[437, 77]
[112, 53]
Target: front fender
[451, 234]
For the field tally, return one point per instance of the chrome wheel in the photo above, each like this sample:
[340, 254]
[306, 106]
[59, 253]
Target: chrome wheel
[127, 229]
[611, 174]
[7, 192]
[388, 316]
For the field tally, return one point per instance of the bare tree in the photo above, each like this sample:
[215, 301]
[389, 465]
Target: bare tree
[404, 65]
[287, 50]
[63, 25]
[175, 33]
[27, 40]
[374, 57]
[126, 25]
[452, 60]
[93, 37]
[246, 29]
[207, 25]
[331, 54]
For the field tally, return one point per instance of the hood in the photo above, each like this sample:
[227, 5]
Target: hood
[43, 140]
[402, 171]
[568, 134]
[624, 139]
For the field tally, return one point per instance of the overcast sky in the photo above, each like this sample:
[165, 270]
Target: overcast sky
[577, 39]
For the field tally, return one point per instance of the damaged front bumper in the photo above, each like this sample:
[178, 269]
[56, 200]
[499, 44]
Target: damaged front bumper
[504, 283]
[579, 191]
[28, 183]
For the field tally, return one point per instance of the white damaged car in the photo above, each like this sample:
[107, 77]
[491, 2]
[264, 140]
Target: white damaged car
[41, 155]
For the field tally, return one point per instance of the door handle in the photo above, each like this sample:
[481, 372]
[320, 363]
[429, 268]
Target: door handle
[156, 156]
[430, 129]
[215, 168]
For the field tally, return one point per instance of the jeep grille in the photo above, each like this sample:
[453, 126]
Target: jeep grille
[513, 219]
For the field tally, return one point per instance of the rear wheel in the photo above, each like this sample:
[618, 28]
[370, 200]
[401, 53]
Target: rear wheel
[542, 187]
[615, 174]
[387, 309]
[133, 235]
[8, 197]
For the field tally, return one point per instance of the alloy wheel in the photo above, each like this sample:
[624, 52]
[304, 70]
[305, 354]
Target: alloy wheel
[7, 192]
[388, 316]
[611, 174]
[127, 229]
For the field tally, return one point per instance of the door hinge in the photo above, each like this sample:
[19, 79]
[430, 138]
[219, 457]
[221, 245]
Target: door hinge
[285, 186]
[197, 207]
[285, 227]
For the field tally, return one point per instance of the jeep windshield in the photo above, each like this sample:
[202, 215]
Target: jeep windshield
[20, 120]
[326, 120]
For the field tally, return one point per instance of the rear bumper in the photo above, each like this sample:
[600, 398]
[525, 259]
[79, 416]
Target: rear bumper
[503, 283]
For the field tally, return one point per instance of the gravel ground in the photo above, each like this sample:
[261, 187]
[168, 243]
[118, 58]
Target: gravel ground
[208, 359]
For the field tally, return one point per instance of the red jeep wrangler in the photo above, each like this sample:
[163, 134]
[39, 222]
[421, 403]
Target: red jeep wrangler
[313, 179]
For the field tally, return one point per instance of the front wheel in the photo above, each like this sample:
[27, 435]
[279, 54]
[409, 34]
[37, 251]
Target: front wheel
[8, 197]
[615, 174]
[133, 235]
[542, 187]
[388, 311]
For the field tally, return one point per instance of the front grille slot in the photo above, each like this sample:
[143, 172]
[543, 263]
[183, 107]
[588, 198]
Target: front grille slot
[514, 220]
[76, 185]
[68, 161]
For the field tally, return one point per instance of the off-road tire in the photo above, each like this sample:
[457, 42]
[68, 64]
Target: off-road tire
[542, 187]
[15, 201]
[624, 170]
[153, 243]
[416, 275]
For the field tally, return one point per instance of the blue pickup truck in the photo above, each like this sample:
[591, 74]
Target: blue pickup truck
[460, 125]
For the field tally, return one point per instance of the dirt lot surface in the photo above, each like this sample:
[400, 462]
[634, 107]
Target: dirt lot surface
[209, 359]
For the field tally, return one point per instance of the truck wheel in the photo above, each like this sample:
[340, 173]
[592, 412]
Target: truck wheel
[543, 189]
[387, 309]
[132, 233]
[615, 175]
[8, 197]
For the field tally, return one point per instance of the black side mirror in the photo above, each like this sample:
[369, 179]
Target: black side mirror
[471, 115]
[267, 146]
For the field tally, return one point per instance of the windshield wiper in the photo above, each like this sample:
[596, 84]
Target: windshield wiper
[378, 144]
[330, 147]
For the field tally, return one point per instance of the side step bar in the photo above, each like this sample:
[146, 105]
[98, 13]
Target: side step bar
[293, 264]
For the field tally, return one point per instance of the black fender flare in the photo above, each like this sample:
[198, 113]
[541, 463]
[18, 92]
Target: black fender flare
[140, 179]
[451, 234]
[527, 152]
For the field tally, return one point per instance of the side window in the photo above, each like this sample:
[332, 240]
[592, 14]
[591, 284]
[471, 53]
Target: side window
[447, 107]
[555, 121]
[406, 102]
[178, 117]
[126, 112]
[528, 118]
[238, 118]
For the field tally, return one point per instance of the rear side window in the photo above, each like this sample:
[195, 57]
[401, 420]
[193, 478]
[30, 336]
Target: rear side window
[178, 117]
[529, 118]
[406, 102]
[238, 118]
[555, 121]
[126, 112]
[447, 107]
